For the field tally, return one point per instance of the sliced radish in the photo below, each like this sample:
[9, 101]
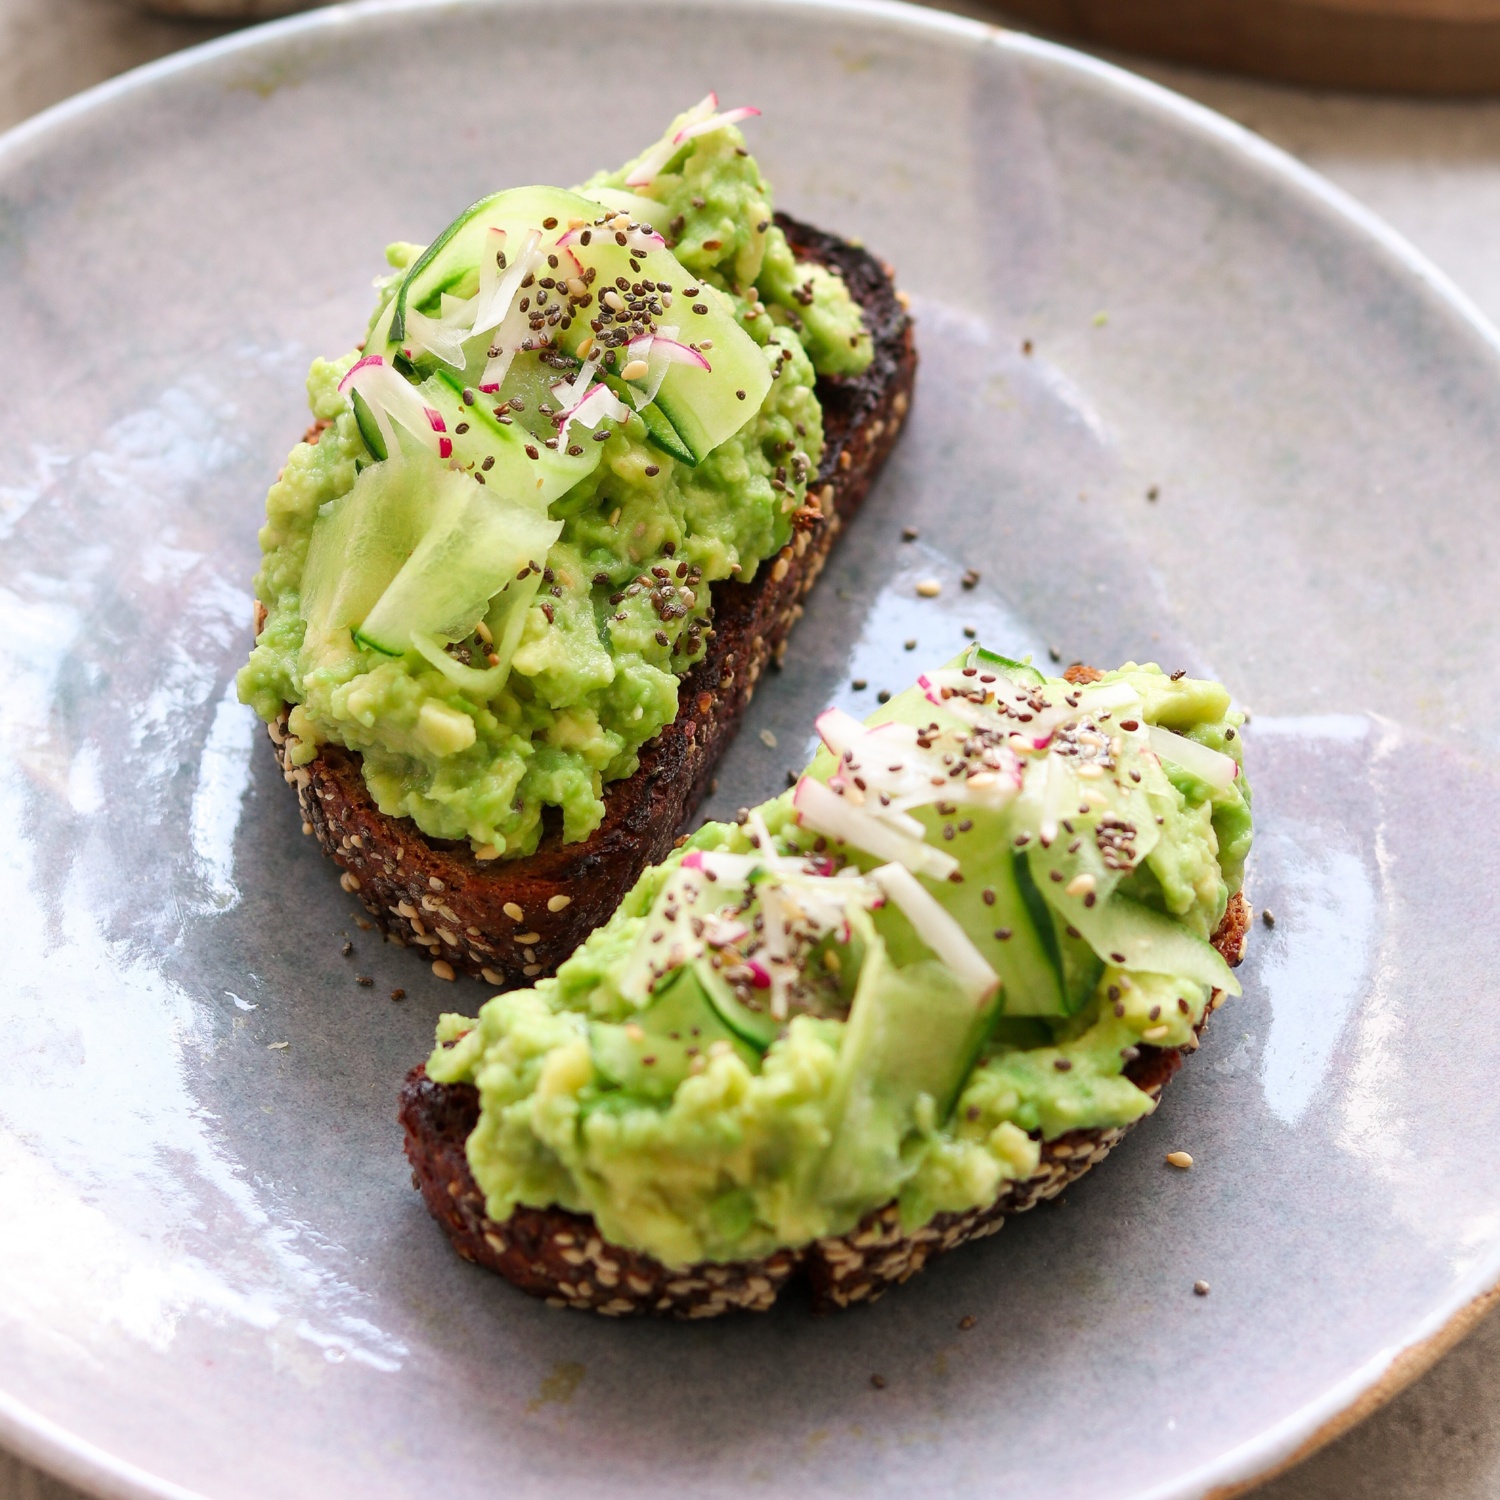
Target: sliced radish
[666, 148]
[715, 122]
[1210, 766]
[568, 393]
[392, 399]
[699, 120]
[599, 405]
[939, 930]
[494, 300]
[824, 811]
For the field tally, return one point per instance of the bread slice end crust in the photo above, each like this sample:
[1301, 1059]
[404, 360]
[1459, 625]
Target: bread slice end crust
[562, 1257]
[434, 895]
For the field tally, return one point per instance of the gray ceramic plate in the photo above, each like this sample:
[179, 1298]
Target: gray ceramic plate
[214, 1277]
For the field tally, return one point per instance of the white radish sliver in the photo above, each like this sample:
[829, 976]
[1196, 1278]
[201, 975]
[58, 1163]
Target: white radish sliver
[825, 812]
[1210, 766]
[939, 930]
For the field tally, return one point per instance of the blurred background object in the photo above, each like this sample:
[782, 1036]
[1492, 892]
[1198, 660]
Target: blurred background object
[1408, 46]
[1402, 46]
[223, 10]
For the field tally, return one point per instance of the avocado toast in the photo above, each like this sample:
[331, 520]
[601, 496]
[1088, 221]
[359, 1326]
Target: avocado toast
[926, 988]
[522, 576]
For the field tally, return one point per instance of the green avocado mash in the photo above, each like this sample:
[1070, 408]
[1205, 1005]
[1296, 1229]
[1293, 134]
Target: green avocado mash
[479, 694]
[892, 984]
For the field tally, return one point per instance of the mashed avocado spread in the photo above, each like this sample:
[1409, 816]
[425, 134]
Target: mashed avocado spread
[572, 414]
[944, 947]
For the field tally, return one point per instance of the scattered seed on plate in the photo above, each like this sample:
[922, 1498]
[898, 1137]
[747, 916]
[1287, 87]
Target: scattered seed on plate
[768, 739]
[929, 588]
[878, 1381]
[909, 533]
[1268, 917]
[363, 980]
[859, 684]
[277, 1046]
[1179, 1159]
[967, 1322]
[347, 949]
[882, 696]
[398, 993]
[1200, 1289]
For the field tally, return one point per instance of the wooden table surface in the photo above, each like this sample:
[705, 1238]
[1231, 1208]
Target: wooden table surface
[1433, 170]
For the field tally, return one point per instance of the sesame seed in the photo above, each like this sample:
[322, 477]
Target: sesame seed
[1179, 1159]
[513, 911]
[929, 588]
[443, 969]
[559, 903]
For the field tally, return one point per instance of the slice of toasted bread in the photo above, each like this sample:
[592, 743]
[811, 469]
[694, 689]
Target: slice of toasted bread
[562, 1256]
[507, 921]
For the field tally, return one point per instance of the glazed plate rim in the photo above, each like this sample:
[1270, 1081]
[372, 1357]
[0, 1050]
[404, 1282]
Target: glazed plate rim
[38, 1440]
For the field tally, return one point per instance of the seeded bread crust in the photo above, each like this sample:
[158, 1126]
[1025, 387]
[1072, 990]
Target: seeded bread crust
[510, 921]
[562, 1257]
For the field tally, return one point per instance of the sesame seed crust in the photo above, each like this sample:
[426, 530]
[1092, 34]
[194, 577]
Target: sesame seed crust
[561, 1256]
[565, 891]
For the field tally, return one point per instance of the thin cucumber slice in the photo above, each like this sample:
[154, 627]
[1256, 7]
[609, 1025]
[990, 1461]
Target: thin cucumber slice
[474, 544]
[653, 1053]
[704, 407]
[659, 431]
[753, 1026]
[1136, 937]
[503, 454]
[708, 406]
[369, 428]
[359, 543]
[911, 1031]
[451, 261]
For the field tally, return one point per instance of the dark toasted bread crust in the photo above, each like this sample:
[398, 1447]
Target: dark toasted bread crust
[434, 895]
[562, 1256]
